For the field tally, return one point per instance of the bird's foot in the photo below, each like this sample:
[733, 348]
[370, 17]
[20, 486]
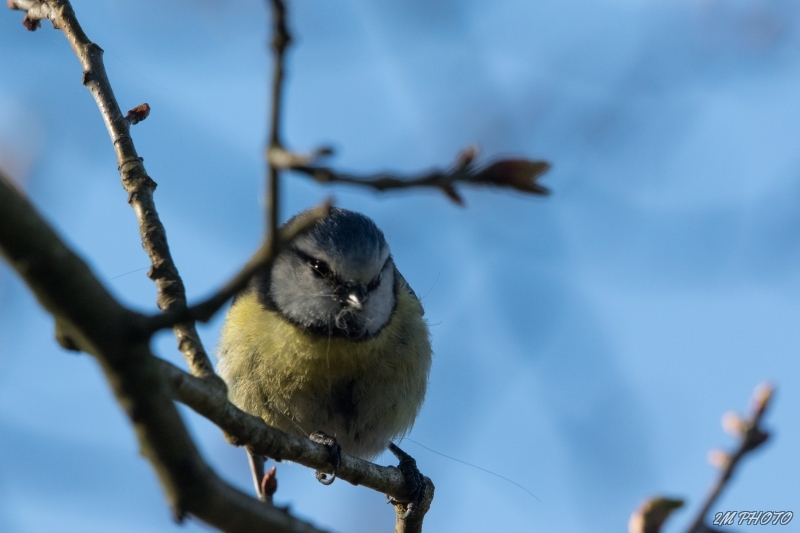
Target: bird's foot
[335, 455]
[415, 481]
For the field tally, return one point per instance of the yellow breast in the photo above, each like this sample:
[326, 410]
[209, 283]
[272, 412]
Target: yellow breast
[364, 392]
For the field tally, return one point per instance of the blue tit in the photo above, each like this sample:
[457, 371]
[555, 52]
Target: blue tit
[331, 339]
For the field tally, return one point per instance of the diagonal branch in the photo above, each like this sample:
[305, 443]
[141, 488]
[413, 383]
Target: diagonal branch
[651, 516]
[97, 324]
[751, 436]
[135, 180]
[244, 429]
[114, 335]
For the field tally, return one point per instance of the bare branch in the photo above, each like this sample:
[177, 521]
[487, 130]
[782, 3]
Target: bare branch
[27, 243]
[96, 323]
[138, 185]
[651, 515]
[518, 174]
[244, 429]
[751, 436]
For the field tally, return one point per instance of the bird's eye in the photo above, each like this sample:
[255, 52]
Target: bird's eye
[375, 282]
[320, 268]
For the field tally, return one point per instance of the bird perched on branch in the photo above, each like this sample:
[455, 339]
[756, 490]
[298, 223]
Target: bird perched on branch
[330, 343]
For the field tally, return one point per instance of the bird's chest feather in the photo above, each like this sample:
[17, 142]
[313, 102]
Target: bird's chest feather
[287, 362]
[364, 392]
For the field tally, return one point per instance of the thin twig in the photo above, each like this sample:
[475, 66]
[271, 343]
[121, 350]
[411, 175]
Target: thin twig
[751, 436]
[280, 41]
[519, 174]
[139, 186]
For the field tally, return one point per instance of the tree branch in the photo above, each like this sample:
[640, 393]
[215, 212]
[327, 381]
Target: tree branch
[132, 369]
[413, 523]
[139, 186]
[244, 429]
[518, 174]
[97, 324]
[280, 42]
[751, 436]
[654, 512]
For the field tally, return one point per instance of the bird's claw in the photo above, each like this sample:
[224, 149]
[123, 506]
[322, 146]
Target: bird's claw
[335, 455]
[415, 481]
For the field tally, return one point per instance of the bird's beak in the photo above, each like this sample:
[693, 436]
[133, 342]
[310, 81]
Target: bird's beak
[356, 297]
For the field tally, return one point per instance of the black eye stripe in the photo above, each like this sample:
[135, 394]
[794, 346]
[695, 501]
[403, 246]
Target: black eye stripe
[320, 267]
[323, 270]
[377, 279]
[375, 282]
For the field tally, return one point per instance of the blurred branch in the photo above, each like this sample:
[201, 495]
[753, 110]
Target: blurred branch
[139, 186]
[209, 397]
[119, 337]
[145, 386]
[652, 514]
[96, 323]
[751, 436]
[518, 174]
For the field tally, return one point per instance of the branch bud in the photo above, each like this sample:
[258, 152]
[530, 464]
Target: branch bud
[733, 424]
[138, 114]
[761, 398]
[718, 458]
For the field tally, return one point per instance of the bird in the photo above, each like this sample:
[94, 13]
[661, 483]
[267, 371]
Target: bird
[330, 343]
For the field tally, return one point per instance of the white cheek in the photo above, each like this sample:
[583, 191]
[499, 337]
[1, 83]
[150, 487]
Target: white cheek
[381, 303]
[302, 296]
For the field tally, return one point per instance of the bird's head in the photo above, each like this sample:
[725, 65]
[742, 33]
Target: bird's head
[337, 278]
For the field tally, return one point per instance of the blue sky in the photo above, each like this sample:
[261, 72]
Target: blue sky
[586, 344]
